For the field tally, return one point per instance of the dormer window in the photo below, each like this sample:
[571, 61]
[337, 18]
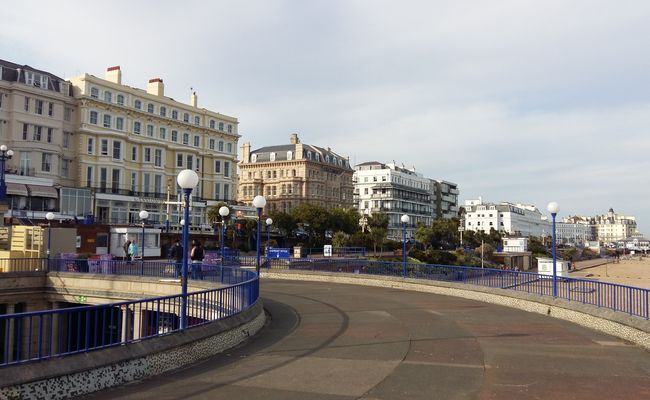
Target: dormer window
[34, 79]
[254, 158]
[309, 155]
[289, 155]
[272, 156]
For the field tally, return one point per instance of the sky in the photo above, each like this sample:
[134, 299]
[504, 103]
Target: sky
[514, 100]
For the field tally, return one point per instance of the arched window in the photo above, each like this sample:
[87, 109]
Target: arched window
[289, 155]
[212, 124]
[163, 111]
[108, 97]
[120, 99]
[138, 105]
[186, 117]
[254, 158]
[272, 156]
[94, 93]
[150, 108]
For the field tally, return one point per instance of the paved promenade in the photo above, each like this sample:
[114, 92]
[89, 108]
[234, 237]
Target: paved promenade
[332, 341]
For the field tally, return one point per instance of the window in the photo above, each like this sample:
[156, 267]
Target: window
[93, 117]
[46, 162]
[50, 132]
[138, 105]
[103, 147]
[137, 127]
[134, 179]
[89, 177]
[35, 79]
[107, 121]
[26, 103]
[289, 155]
[211, 144]
[157, 183]
[108, 97]
[119, 123]
[67, 114]
[134, 153]
[157, 158]
[179, 160]
[220, 145]
[117, 150]
[217, 191]
[147, 154]
[66, 139]
[163, 133]
[38, 109]
[254, 158]
[217, 167]
[163, 111]
[94, 93]
[190, 160]
[150, 108]
[91, 146]
[115, 181]
[221, 126]
[50, 109]
[229, 147]
[150, 130]
[174, 114]
[186, 138]
[229, 128]
[120, 99]
[186, 117]
[212, 124]
[226, 168]
[38, 131]
[197, 120]
[226, 190]
[197, 140]
[65, 167]
[174, 136]
[271, 156]
[146, 179]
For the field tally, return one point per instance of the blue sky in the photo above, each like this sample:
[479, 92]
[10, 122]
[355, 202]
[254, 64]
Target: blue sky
[522, 101]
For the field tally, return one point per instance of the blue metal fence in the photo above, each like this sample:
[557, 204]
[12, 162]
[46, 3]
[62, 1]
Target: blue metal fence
[31, 336]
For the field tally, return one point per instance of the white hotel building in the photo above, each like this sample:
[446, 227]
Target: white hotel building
[509, 218]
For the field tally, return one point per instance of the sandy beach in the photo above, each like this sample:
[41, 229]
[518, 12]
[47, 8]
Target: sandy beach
[632, 271]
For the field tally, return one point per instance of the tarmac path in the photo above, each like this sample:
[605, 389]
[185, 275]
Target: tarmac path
[334, 341]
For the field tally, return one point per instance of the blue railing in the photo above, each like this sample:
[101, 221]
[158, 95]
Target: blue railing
[39, 335]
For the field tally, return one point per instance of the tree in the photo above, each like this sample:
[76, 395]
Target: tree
[424, 234]
[445, 233]
[314, 219]
[283, 221]
[343, 219]
[213, 213]
[378, 227]
[339, 239]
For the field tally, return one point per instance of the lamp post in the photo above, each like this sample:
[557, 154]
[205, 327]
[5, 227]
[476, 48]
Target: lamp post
[405, 220]
[258, 202]
[187, 180]
[4, 156]
[269, 221]
[49, 216]
[144, 214]
[223, 211]
[553, 208]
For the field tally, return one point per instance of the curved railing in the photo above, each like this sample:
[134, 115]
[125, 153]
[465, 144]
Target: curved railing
[33, 336]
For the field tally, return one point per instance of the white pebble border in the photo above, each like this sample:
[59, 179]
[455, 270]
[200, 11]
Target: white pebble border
[628, 333]
[81, 383]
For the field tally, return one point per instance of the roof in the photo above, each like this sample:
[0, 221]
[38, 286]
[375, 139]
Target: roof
[263, 154]
[13, 72]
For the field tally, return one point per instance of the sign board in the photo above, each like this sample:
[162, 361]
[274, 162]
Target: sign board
[327, 250]
[279, 253]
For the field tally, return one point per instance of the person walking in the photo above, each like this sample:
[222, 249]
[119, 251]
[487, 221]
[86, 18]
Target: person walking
[177, 255]
[125, 246]
[133, 250]
[196, 255]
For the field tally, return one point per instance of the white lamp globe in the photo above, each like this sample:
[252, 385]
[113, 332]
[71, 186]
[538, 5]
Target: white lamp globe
[224, 211]
[182, 222]
[269, 221]
[10, 153]
[49, 216]
[259, 201]
[187, 179]
[3, 147]
[405, 219]
[553, 207]
[144, 214]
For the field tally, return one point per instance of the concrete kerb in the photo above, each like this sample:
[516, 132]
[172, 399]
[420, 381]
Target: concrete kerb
[84, 373]
[632, 329]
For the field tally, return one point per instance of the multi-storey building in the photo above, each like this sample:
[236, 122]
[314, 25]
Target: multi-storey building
[612, 227]
[37, 122]
[131, 145]
[445, 198]
[577, 230]
[288, 175]
[509, 218]
[394, 191]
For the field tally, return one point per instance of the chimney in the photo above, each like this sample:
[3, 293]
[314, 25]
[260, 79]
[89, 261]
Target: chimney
[246, 152]
[194, 100]
[114, 74]
[156, 87]
[294, 139]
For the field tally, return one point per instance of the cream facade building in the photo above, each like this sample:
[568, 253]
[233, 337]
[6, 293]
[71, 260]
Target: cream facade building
[291, 174]
[132, 143]
[37, 122]
[513, 219]
[613, 227]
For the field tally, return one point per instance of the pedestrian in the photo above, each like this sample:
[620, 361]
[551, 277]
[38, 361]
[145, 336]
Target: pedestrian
[177, 255]
[133, 250]
[196, 255]
[125, 246]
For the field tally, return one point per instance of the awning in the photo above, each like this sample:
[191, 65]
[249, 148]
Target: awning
[42, 191]
[16, 189]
